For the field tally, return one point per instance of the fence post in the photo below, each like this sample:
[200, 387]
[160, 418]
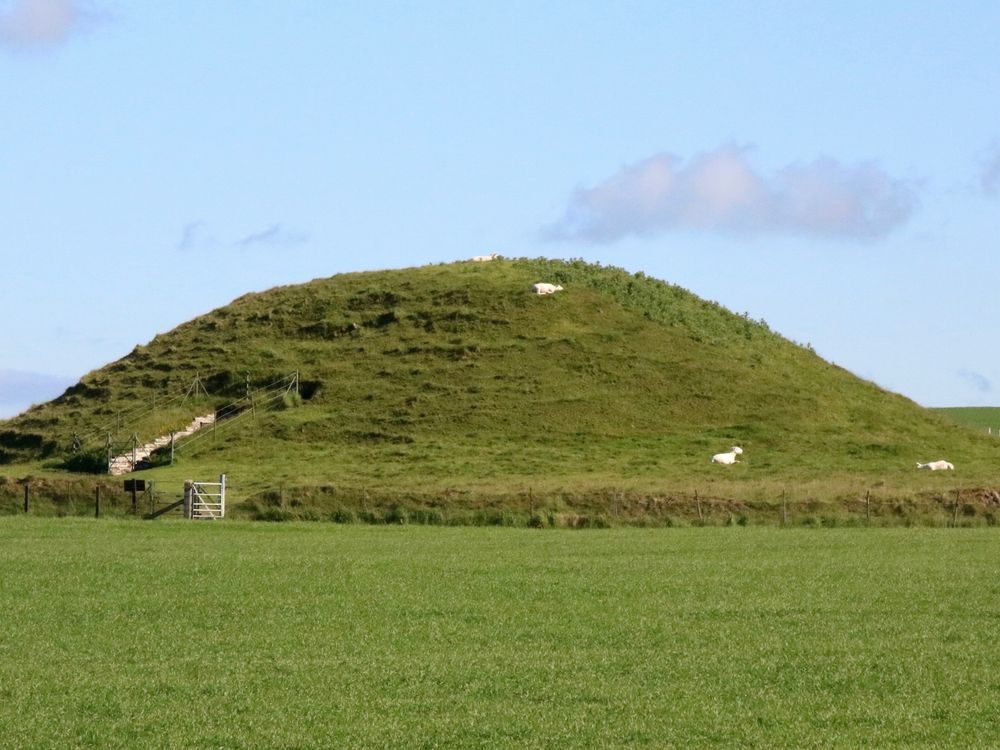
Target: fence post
[954, 517]
[222, 495]
[868, 506]
[97, 501]
[26, 496]
[784, 509]
[697, 502]
[253, 408]
[188, 492]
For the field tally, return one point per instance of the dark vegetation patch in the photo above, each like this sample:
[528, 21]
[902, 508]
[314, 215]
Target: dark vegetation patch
[16, 445]
[309, 388]
[378, 437]
[381, 321]
[83, 391]
[374, 298]
[326, 329]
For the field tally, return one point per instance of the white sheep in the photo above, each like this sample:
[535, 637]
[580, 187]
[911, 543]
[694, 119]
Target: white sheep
[544, 288]
[484, 258]
[728, 458]
[936, 465]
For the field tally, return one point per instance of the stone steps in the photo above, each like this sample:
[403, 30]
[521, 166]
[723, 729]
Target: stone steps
[124, 464]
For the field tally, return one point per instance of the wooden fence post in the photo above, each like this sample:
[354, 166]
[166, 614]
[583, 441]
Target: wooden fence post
[697, 502]
[784, 509]
[868, 506]
[954, 517]
[26, 497]
[188, 497]
[97, 501]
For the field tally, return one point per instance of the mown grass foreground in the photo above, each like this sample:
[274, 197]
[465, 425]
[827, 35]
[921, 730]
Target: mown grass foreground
[120, 634]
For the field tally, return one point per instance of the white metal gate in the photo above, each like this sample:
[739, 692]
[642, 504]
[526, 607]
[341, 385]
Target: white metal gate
[205, 499]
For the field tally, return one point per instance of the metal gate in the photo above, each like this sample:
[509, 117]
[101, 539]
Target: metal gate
[205, 500]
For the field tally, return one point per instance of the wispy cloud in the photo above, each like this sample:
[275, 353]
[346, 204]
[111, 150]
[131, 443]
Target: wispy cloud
[274, 235]
[44, 23]
[195, 236]
[19, 390]
[989, 178]
[977, 380]
[721, 191]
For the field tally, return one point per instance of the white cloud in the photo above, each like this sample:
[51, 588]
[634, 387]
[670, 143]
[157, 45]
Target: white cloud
[42, 23]
[720, 191]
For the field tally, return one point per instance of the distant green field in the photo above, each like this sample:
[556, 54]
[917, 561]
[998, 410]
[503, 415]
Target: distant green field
[121, 634]
[981, 417]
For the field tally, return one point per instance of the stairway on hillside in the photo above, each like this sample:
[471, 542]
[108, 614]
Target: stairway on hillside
[124, 463]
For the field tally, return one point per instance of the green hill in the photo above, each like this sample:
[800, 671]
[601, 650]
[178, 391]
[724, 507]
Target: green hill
[455, 383]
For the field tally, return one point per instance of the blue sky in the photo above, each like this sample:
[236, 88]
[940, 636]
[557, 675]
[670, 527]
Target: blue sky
[830, 167]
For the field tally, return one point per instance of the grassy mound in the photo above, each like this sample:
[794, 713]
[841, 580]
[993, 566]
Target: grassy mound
[455, 384]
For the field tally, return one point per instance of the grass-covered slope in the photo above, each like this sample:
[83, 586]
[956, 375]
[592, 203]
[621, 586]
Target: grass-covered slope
[456, 378]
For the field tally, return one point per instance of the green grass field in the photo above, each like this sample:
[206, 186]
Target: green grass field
[121, 634]
[977, 417]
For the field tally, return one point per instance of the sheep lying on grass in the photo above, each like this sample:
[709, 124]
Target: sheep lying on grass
[936, 465]
[728, 458]
[484, 258]
[543, 288]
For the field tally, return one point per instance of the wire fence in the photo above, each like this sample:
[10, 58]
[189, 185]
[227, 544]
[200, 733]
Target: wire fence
[954, 508]
[132, 417]
[264, 398]
[118, 451]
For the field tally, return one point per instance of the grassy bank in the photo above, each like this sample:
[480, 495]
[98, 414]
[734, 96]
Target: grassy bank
[123, 634]
[933, 501]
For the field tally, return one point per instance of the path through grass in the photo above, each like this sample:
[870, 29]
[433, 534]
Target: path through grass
[120, 634]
